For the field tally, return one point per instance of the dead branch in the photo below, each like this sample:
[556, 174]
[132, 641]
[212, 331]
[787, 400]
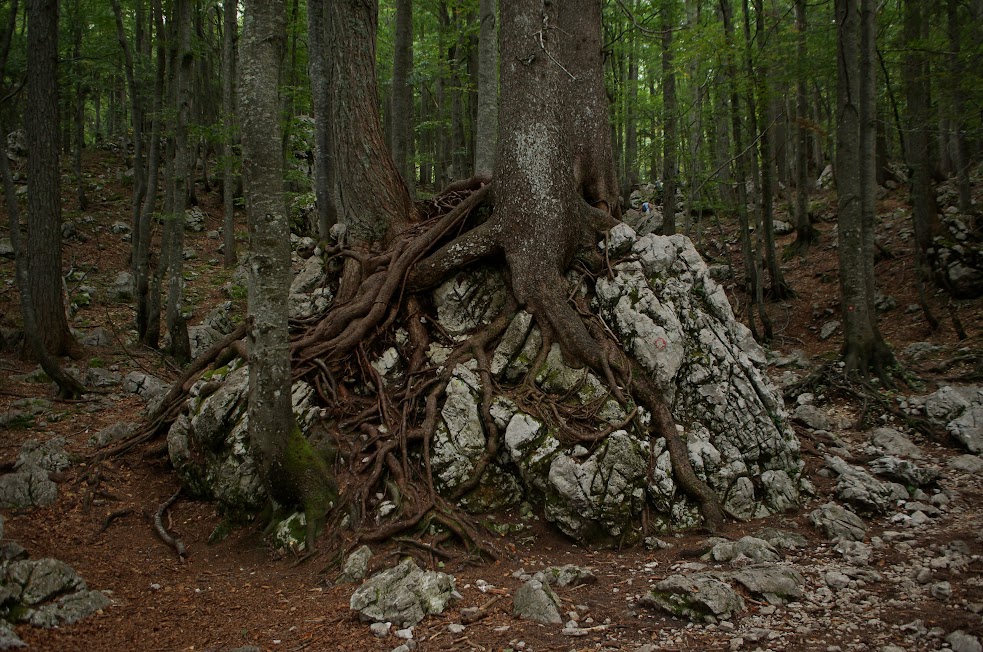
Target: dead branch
[162, 532]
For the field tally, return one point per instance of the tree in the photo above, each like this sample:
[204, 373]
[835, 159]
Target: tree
[324, 166]
[293, 472]
[669, 145]
[487, 127]
[805, 233]
[864, 350]
[44, 193]
[402, 95]
[229, 38]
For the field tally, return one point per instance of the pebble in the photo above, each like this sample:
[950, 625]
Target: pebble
[380, 630]
[455, 628]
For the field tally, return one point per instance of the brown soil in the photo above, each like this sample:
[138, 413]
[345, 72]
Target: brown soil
[238, 592]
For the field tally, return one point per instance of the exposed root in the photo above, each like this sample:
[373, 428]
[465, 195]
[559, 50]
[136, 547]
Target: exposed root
[162, 532]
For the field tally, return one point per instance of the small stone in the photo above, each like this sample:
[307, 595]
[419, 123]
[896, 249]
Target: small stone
[455, 628]
[406, 633]
[960, 641]
[380, 630]
[941, 590]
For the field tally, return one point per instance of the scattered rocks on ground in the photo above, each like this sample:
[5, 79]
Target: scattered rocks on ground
[403, 595]
[569, 575]
[776, 583]
[838, 523]
[703, 597]
[535, 601]
[745, 550]
[861, 490]
[356, 566]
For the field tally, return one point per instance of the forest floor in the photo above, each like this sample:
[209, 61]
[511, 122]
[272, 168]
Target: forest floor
[238, 593]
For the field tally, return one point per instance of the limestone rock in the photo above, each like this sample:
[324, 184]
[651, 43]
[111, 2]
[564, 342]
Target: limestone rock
[903, 471]
[356, 566]
[310, 277]
[46, 593]
[25, 489]
[403, 595]
[861, 490]
[470, 299]
[777, 584]
[122, 287]
[569, 575]
[960, 411]
[703, 597]
[144, 385]
[747, 548]
[838, 523]
[960, 641]
[114, 433]
[895, 443]
[535, 601]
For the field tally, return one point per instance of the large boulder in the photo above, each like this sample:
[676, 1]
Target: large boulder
[209, 443]
[703, 597]
[960, 411]
[403, 595]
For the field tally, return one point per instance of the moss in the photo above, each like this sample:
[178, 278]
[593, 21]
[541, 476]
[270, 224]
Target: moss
[302, 477]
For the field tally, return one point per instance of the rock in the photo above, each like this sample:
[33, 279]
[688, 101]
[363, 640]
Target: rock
[122, 288]
[202, 338]
[746, 548]
[703, 597]
[855, 553]
[99, 377]
[380, 630]
[47, 455]
[469, 300]
[118, 228]
[535, 601]
[6, 249]
[838, 523]
[311, 276]
[569, 575]
[895, 443]
[97, 337]
[826, 178]
[903, 471]
[144, 385]
[47, 593]
[356, 566]
[828, 329]
[783, 228]
[960, 641]
[967, 464]
[220, 318]
[403, 595]
[27, 489]
[861, 490]
[812, 417]
[777, 584]
[112, 434]
[960, 411]
[304, 306]
[194, 219]
[782, 539]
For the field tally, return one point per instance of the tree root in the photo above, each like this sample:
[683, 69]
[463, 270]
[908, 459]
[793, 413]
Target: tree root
[162, 532]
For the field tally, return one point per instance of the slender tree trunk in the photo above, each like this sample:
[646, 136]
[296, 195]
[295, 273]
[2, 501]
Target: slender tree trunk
[324, 157]
[182, 181]
[486, 134]
[958, 107]
[79, 123]
[402, 95]
[291, 469]
[229, 39]
[670, 131]
[631, 118]
[44, 192]
[805, 233]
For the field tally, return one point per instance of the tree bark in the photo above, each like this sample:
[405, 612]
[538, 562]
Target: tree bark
[402, 95]
[44, 192]
[229, 39]
[372, 199]
[181, 182]
[805, 233]
[670, 129]
[864, 350]
[291, 469]
[324, 158]
[956, 67]
[486, 136]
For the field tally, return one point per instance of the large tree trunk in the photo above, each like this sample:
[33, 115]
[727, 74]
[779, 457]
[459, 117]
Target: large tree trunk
[956, 68]
[486, 136]
[44, 192]
[402, 95]
[864, 350]
[372, 199]
[291, 469]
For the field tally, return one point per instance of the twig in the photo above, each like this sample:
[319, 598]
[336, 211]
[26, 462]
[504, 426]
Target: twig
[162, 532]
[120, 513]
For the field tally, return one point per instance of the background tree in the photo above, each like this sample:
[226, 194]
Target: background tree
[44, 194]
[486, 129]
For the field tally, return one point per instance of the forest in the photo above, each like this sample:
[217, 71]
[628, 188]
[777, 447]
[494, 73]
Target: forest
[463, 324]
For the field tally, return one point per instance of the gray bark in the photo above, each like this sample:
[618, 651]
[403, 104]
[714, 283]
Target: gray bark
[669, 117]
[486, 137]
[229, 38]
[271, 419]
[324, 170]
[44, 192]
[805, 234]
